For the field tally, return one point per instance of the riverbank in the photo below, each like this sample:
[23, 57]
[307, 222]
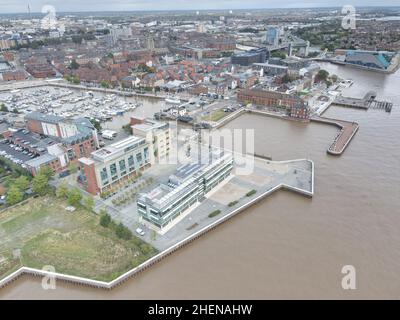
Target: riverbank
[295, 175]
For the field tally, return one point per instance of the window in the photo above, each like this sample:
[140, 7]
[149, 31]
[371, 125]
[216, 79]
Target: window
[139, 159]
[131, 163]
[113, 170]
[81, 149]
[146, 154]
[104, 176]
[71, 154]
[122, 167]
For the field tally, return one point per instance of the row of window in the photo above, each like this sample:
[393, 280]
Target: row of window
[122, 167]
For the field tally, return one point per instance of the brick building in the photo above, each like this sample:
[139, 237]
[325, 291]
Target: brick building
[296, 107]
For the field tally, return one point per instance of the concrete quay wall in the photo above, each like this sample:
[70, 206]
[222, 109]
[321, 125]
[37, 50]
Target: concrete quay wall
[121, 279]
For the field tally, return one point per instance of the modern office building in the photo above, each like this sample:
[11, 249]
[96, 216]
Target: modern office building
[189, 185]
[157, 135]
[110, 165]
[272, 37]
[369, 59]
[250, 57]
[271, 69]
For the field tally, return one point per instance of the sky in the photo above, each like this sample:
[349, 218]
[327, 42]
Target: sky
[20, 6]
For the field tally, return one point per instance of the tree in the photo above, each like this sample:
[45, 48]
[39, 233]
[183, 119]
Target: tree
[105, 84]
[73, 168]
[40, 184]
[22, 183]
[286, 78]
[74, 197]
[74, 65]
[15, 110]
[76, 80]
[62, 191]
[323, 75]
[14, 195]
[47, 172]
[123, 232]
[96, 124]
[3, 108]
[105, 219]
[278, 54]
[89, 203]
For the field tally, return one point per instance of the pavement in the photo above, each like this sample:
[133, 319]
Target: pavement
[298, 174]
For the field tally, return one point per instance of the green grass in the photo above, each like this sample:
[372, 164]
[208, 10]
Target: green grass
[216, 115]
[74, 243]
[22, 220]
[214, 213]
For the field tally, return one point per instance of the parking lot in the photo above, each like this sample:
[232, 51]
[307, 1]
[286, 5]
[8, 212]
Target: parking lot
[22, 146]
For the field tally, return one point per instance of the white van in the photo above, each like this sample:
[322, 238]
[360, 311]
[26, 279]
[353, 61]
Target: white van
[109, 134]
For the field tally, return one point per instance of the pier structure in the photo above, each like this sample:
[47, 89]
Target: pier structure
[347, 131]
[368, 102]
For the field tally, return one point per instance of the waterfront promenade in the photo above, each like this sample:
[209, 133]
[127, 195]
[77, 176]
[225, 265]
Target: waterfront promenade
[269, 176]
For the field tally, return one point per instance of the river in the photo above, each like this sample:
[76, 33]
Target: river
[289, 246]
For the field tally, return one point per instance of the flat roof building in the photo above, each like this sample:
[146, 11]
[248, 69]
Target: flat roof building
[191, 182]
[108, 166]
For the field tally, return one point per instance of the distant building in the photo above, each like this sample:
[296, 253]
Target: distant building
[271, 69]
[272, 36]
[250, 57]
[110, 165]
[370, 59]
[14, 75]
[39, 68]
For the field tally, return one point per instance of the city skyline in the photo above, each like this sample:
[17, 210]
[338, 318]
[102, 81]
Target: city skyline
[21, 6]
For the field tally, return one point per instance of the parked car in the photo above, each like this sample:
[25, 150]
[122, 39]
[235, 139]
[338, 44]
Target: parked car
[140, 232]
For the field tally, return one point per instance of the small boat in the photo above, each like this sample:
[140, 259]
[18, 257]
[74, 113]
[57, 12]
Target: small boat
[172, 100]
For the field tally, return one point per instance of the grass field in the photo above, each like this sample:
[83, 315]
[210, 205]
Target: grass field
[42, 233]
[216, 115]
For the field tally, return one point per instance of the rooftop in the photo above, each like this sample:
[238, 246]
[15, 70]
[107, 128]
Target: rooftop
[116, 149]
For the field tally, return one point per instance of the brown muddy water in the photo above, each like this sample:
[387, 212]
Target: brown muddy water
[289, 246]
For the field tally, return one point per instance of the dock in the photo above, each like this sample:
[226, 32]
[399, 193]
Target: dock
[347, 131]
[368, 102]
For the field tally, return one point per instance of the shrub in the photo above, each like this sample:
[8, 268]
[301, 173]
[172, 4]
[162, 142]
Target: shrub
[74, 197]
[123, 232]
[251, 192]
[231, 204]
[105, 219]
[14, 195]
[62, 191]
[214, 213]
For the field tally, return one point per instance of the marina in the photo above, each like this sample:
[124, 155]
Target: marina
[67, 103]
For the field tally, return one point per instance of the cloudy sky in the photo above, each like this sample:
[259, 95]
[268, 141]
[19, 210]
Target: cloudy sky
[11, 6]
